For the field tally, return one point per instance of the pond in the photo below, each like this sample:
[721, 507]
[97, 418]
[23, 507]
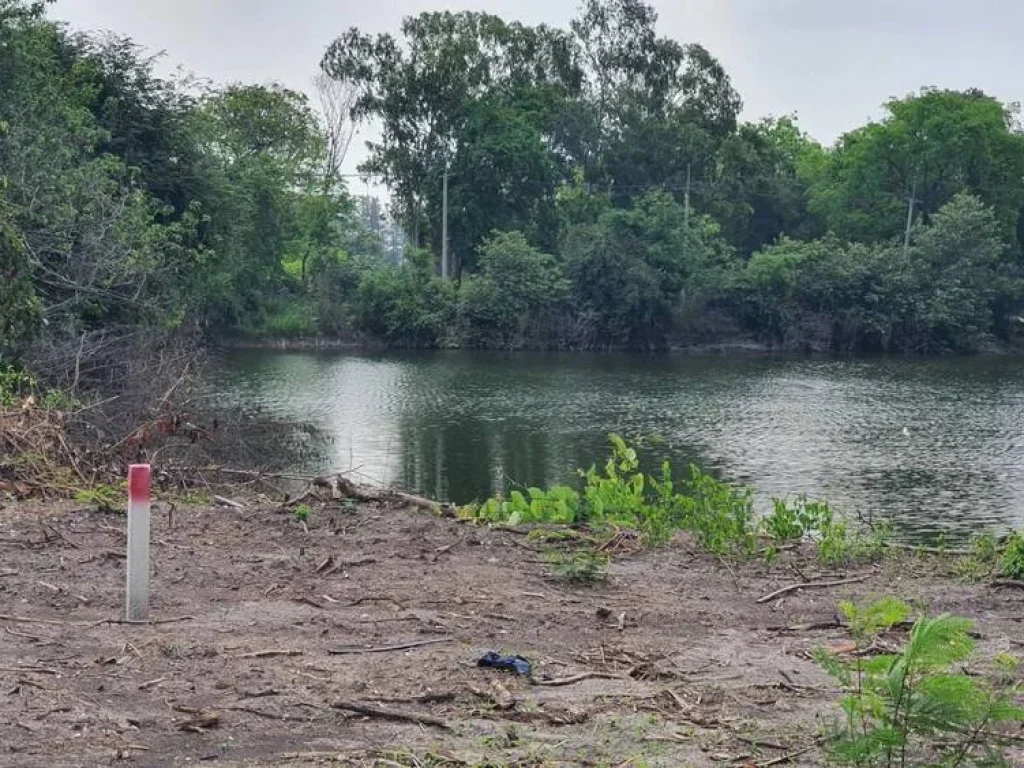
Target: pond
[935, 445]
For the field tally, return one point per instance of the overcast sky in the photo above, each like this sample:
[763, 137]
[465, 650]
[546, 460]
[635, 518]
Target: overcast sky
[832, 62]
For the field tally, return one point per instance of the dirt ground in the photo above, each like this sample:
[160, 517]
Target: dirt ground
[680, 663]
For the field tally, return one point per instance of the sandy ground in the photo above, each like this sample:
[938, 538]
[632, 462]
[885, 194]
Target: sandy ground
[681, 664]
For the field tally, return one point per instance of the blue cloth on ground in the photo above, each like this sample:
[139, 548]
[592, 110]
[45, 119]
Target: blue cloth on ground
[516, 664]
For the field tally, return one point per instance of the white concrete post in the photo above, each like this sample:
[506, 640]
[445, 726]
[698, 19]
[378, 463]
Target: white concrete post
[137, 598]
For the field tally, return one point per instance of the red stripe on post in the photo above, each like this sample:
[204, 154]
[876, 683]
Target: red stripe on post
[138, 483]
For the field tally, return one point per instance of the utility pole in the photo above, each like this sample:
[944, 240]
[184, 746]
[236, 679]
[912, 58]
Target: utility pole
[686, 204]
[910, 216]
[444, 226]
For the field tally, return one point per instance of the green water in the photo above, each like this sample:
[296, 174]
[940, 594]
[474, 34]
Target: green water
[936, 445]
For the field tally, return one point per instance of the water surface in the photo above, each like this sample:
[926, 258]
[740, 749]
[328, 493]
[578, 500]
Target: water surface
[936, 445]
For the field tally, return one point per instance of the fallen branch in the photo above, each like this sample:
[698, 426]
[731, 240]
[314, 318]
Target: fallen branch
[424, 698]
[558, 681]
[37, 670]
[386, 648]
[269, 715]
[390, 714]
[788, 757]
[224, 501]
[151, 622]
[29, 620]
[1009, 583]
[808, 626]
[811, 585]
[927, 550]
[60, 536]
[330, 566]
[33, 638]
[268, 654]
[343, 488]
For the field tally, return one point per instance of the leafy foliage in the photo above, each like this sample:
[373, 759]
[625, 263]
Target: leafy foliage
[602, 192]
[915, 707]
[937, 295]
[516, 288]
[1011, 563]
[622, 497]
[404, 305]
[798, 520]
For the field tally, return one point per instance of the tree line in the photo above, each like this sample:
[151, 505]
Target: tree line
[602, 191]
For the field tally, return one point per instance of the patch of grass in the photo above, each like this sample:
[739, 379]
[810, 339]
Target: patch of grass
[838, 545]
[814, 520]
[988, 558]
[197, 499]
[301, 513]
[103, 498]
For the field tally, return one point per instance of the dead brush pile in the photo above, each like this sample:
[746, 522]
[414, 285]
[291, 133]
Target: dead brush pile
[35, 451]
[53, 445]
[87, 411]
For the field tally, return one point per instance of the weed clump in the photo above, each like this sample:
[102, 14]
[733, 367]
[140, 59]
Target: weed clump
[990, 557]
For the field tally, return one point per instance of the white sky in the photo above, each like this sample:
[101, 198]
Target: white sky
[832, 62]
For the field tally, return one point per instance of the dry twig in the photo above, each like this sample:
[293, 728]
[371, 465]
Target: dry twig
[812, 585]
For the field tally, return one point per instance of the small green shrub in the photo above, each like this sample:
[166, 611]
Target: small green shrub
[798, 520]
[915, 707]
[982, 559]
[1011, 564]
[301, 512]
[14, 385]
[989, 557]
[720, 516]
[582, 565]
[814, 520]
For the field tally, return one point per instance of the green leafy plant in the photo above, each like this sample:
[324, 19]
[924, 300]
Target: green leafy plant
[915, 707]
[797, 520]
[622, 497]
[301, 512]
[1011, 563]
[720, 516]
[581, 565]
[14, 384]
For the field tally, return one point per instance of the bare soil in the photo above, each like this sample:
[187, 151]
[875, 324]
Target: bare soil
[671, 661]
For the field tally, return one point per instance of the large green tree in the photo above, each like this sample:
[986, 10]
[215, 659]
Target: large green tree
[930, 147]
[424, 89]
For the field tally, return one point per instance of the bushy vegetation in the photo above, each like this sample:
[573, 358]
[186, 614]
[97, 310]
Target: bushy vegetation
[989, 557]
[596, 199]
[719, 516]
[918, 705]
